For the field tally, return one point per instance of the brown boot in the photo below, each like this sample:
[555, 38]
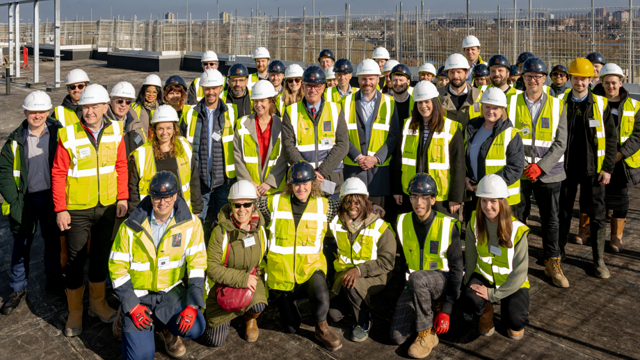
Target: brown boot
[584, 230]
[173, 344]
[116, 327]
[251, 326]
[74, 321]
[515, 335]
[98, 305]
[424, 343]
[327, 337]
[553, 269]
[486, 320]
[617, 227]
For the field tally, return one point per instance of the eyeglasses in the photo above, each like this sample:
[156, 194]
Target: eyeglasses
[531, 77]
[74, 86]
[562, 75]
[314, 87]
[244, 205]
[293, 80]
[420, 197]
[209, 64]
[122, 101]
[166, 199]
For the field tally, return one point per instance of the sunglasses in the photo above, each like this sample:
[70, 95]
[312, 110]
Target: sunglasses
[209, 64]
[558, 75]
[293, 80]
[123, 101]
[73, 87]
[242, 205]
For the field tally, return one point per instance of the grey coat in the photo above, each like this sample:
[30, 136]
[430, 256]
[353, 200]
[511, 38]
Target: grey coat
[462, 115]
[134, 132]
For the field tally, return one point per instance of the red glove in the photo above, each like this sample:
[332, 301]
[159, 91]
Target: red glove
[533, 172]
[186, 319]
[441, 323]
[140, 315]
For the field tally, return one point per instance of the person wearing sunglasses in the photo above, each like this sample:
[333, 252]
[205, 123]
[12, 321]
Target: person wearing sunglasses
[209, 60]
[70, 112]
[560, 80]
[135, 129]
[292, 92]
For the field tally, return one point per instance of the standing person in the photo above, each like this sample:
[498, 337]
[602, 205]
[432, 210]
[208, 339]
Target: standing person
[380, 55]
[442, 78]
[161, 230]
[402, 91]
[331, 81]
[514, 75]
[626, 174]
[261, 58]
[175, 94]
[292, 87]
[70, 112]
[257, 143]
[430, 275]
[519, 61]
[459, 98]
[374, 131]
[499, 75]
[589, 161]
[344, 72]
[542, 121]
[386, 77]
[497, 248]
[25, 185]
[209, 60]
[89, 184]
[481, 78]
[135, 129]
[471, 48]
[427, 72]
[598, 61]
[276, 75]
[326, 59]
[149, 97]
[559, 79]
[238, 92]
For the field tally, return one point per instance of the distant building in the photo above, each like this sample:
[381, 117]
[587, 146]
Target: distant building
[621, 16]
[225, 17]
[169, 16]
[601, 12]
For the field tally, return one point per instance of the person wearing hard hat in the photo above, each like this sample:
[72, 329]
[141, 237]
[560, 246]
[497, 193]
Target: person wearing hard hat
[151, 288]
[380, 55]
[344, 72]
[481, 77]
[374, 132]
[471, 48]
[238, 92]
[261, 58]
[135, 129]
[559, 79]
[589, 161]
[497, 248]
[326, 59]
[149, 96]
[459, 98]
[25, 185]
[276, 75]
[175, 94]
[386, 76]
[514, 76]
[626, 174]
[519, 61]
[401, 90]
[331, 80]
[209, 60]
[499, 75]
[598, 62]
[542, 122]
[442, 78]
[70, 112]
[431, 275]
[257, 143]
[427, 72]
[313, 131]
[362, 271]
[90, 189]
[494, 146]
[292, 87]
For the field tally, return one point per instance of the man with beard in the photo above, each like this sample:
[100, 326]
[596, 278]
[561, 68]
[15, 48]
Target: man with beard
[70, 112]
[499, 71]
[459, 98]
[238, 93]
[401, 90]
[261, 57]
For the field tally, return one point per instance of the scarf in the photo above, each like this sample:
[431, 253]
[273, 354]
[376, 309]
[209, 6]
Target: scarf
[253, 224]
[150, 105]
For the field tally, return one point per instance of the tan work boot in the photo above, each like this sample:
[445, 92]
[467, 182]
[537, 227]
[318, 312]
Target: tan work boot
[327, 337]
[98, 306]
[553, 269]
[251, 326]
[515, 335]
[424, 343]
[116, 327]
[74, 321]
[485, 325]
[617, 227]
[584, 230]
[173, 344]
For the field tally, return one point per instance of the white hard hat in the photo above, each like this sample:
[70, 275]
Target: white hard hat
[211, 77]
[209, 56]
[242, 189]
[77, 76]
[165, 113]
[389, 65]
[330, 74]
[37, 101]
[261, 53]
[94, 94]
[611, 69]
[456, 61]
[353, 185]
[428, 67]
[470, 41]
[153, 79]
[263, 89]
[380, 53]
[123, 89]
[293, 71]
[492, 186]
[368, 67]
[424, 90]
[494, 96]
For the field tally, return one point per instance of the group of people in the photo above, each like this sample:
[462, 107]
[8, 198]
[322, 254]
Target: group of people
[201, 203]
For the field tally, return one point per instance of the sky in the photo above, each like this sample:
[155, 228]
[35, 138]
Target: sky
[199, 8]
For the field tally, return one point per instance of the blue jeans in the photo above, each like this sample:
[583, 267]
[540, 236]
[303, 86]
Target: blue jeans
[213, 200]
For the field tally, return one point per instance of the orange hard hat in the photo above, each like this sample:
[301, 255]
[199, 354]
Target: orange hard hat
[581, 67]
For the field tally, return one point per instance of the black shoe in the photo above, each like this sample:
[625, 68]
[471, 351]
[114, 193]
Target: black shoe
[14, 301]
[55, 286]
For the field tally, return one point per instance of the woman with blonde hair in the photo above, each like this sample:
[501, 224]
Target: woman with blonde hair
[292, 87]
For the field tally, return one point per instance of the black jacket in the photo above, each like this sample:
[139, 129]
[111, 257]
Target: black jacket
[69, 105]
[243, 103]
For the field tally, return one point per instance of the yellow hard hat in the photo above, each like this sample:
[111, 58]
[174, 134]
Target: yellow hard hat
[581, 67]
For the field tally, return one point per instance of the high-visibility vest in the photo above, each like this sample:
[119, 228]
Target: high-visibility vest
[332, 94]
[627, 122]
[306, 134]
[511, 91]
[363, 249]
[253, 79]
[545, 132]
[380, 126]
[200, 90]
[434, 253]
[138, 109]
[224, 96]
[496, 269]
[475, 110]
[546, 89]
[295, 253]
[251, 155]
[65, 116]
[15, 149]
[496, 160]
[599, 105]
[280, 104]
[564, 94]
[437, 154]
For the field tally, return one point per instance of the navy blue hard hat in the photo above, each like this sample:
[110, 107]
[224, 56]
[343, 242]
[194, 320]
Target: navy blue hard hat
[514, 71]
[163, 184]
[401, 69]
[423, 183]
[343, 66]
[480, 70]
[314, 75]
[238, 69]
[276, 67]
[524, 57]
[561, 68]
[442, 71]
[175, 80]
[498, 60]
[596, 58]
[301, 172]
[534, 65]
[326, 53]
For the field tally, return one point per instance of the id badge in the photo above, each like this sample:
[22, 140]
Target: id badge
[248, 241]
[84, 152]
[495, 250]
[356, 247]
[327, 142]
[216, 136]
[163, 263]
[594, 123]
[433, 265]
[526, 131]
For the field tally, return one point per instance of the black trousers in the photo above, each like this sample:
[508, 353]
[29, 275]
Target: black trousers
[548, 200]
[514, 308]
[315, 289]
[349, 300]
[96, 223]
[617, 193]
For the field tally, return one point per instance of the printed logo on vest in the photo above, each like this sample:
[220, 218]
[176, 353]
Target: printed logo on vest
[545, 123]
[476, 107]
[176, 240]
[433, 247]
[327, 126]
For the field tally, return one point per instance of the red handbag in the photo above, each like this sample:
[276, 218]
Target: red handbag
[232, 299]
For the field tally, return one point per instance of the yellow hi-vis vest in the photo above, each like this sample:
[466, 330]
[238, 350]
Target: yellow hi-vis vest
[438, 156]
[363, 249]
[251, 155]
[295, 253]
[599, 105]
[496, 269]
[475, 110]
[434, 252]
[627, 121]
[65, 116]
[510, 92]
[92, 176]
[496, 160]
[15, 149]
[380, 127]
[280, 104]
[564, 94]
[332, 94]
[224, 96]
[138, 109]
[146, 166]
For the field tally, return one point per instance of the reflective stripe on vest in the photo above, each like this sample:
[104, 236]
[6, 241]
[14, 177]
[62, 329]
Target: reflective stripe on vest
[251, 155]
[65, 116]
[599, 105]
[627, 122]
[137, 108]
[15, 149]
[305, 132]
[564, 94]
[199, 90]
[496, 160]
[380, 127]
[364, 247]
[253, 79]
